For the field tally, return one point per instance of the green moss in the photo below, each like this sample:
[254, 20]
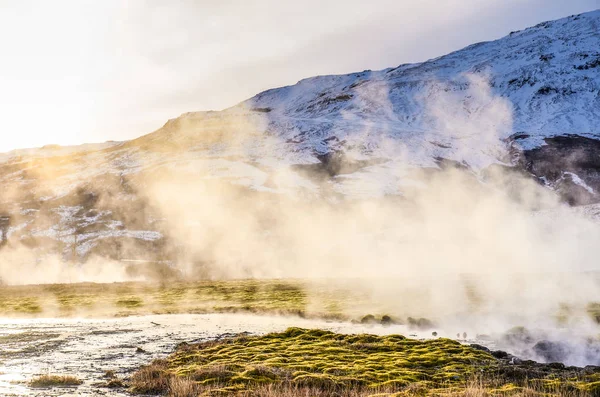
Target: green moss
[290, 297]
[323, 359]
[213, 374]
[170, 296]
[302, 359]
[592, 387]
[28, 305]
[593, 310]
[129, 302]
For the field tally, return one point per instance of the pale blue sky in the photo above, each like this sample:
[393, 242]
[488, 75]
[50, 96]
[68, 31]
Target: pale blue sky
[89, 71]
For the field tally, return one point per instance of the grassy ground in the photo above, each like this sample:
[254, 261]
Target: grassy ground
[55, 381]
[315, 362]
[341, 300]
[315, 299]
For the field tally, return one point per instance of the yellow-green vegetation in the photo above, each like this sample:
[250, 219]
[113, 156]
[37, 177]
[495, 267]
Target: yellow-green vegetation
[330, 299]
[317, 357]
[130, 302]
[22, 305]
[322, 299]
[297, 361]
[55, 381]
[593, 310]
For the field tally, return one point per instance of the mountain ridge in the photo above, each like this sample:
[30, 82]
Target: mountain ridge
[528, 102]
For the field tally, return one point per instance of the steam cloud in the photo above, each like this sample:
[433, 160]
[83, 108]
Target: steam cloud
[474, 248]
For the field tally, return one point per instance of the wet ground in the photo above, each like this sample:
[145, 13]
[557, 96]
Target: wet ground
[87, 348]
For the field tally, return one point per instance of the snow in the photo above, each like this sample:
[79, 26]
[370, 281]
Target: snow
[397, 103]
[86, 242]
[462, 106]
[578, 181]
[465, 106]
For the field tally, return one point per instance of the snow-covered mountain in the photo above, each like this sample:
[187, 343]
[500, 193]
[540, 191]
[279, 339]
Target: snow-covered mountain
[467, 106]
[529, 101]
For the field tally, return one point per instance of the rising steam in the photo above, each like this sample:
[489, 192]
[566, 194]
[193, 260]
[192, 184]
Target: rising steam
[461, 244]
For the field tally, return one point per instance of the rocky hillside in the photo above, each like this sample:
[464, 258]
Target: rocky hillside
[528, 102]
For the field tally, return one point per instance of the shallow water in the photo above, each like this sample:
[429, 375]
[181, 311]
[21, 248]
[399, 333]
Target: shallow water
[87, 348]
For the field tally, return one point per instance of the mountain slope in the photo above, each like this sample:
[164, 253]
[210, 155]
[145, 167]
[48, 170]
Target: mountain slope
[528, 102]
[530, 85]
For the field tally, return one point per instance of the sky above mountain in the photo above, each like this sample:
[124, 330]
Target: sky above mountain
[87, 71]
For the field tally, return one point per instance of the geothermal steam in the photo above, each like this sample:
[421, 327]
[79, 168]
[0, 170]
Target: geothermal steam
[461, 245]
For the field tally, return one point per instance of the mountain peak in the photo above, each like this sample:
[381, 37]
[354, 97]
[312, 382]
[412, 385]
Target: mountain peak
[527, 103]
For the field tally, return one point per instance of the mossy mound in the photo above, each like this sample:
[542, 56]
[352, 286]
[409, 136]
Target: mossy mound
[326, 360]
[304, 361]
[316, 357]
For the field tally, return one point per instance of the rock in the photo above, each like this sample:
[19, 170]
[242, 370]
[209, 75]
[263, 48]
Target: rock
[556, 365]
[140, 350]
[513, 373]
[368, 319]
[515, 361]
[387, 320]
[564, 162]
[420, 323]
[500, 354]
[550, 351]
[480, 347]
[530, 363]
